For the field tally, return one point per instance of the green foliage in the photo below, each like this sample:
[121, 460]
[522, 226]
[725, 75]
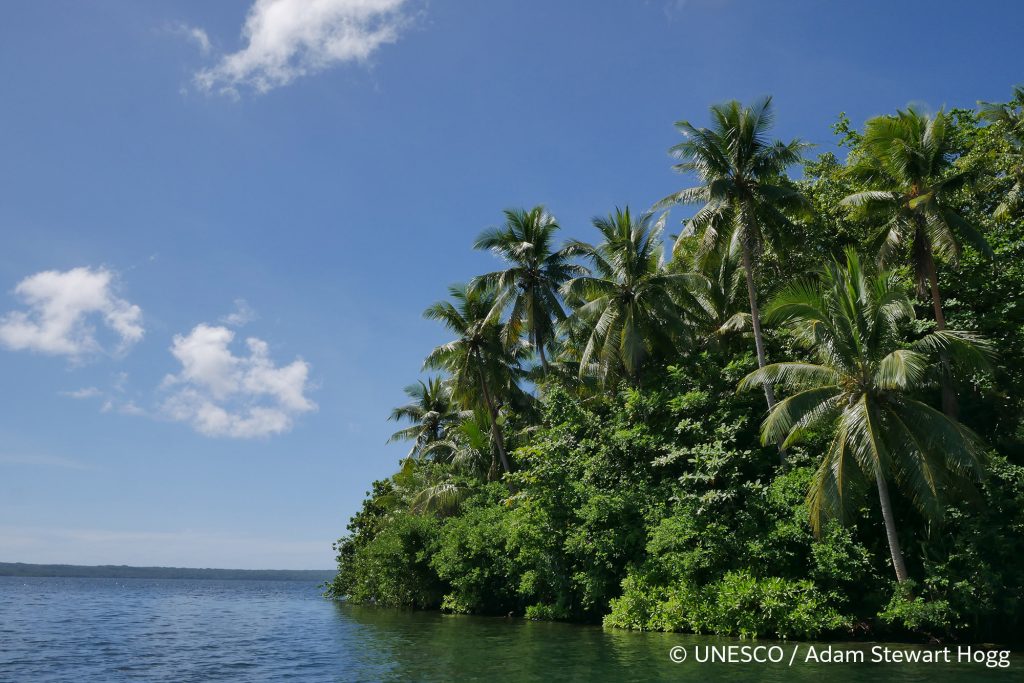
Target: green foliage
[393, 568]
[636, 488]
[627, 310]
[914, 613]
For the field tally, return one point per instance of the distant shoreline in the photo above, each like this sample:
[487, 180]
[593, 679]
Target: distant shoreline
[126, 572]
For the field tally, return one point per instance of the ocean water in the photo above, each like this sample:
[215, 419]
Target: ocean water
[84, 630]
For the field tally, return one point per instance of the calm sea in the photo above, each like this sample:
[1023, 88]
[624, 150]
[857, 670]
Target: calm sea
[85, 630]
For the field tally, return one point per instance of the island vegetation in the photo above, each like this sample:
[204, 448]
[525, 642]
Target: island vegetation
[801, 417]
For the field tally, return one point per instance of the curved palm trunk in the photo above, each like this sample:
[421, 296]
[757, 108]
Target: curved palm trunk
[949, 403]
[755, 320]
[890, 527]
[499, 438]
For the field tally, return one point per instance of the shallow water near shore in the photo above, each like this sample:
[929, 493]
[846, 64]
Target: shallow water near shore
[67, 629]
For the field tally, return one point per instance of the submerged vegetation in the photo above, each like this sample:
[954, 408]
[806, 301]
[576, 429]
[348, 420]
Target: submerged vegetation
[596, 445]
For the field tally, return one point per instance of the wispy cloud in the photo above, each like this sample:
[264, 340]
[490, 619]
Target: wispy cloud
[86, 392]
[42, 461]
[242, 315]
[193, 34]
[112, 405]
[221, 394]
[287, 39]
[112, 400]
[60, 309]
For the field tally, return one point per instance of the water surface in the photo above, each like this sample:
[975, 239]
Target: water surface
[86, 630]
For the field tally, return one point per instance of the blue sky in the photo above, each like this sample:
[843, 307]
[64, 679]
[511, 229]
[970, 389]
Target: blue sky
[179, 178]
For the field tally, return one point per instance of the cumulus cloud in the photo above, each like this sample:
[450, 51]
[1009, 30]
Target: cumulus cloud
[222, 394]
[61, 307]
[286, 39]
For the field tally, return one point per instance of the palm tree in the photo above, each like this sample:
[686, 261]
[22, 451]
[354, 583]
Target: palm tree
[467, 448]
[1010, 116]
[907, 160]
[718, 288]
[863, 387]
[484, 369]
[431, 411]
[537, 272]
[742, 190]
[626, 310]
[455, 461]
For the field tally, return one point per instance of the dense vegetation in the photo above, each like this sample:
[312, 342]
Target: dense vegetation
[807, 422]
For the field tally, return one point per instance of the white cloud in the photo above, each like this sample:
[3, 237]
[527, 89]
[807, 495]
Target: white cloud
[221, 394]
[194, 34]
[122, 407]
[86, 392]
[199, 37]
[286, 39]
[242, 315]
[61, 306]
[113, 399]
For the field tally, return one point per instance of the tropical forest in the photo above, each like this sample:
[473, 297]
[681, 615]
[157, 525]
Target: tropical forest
[798, 412]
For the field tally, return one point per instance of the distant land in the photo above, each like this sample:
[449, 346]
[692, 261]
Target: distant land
[109, 571]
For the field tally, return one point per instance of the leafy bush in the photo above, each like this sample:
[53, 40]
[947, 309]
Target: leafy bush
[393, 569]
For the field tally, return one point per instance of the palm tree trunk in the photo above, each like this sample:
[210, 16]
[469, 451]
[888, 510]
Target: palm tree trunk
[949, 402]
[755, 320]
[499, 439]
[540, 351]
[890, 527]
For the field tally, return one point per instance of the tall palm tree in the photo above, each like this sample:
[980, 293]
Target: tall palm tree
[742, 190]
[907, 161]
[626, 310]
[863, 386]
[484, 369]
[537, 271]
[1010, 116]
[431, 411]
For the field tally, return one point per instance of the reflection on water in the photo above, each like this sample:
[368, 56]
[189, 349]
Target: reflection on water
[417, 646]
[87, 630]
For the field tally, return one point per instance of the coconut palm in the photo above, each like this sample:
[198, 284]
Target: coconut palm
[467, 448]
[907, 162]
[864, 386]
[626, 310]
[741, 189]
[484, 369]
[718, 288]
[443, 479]
[1010, 117]
[431, 411]
[537, 271]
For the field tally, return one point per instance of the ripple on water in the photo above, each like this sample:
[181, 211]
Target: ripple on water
[91, 630]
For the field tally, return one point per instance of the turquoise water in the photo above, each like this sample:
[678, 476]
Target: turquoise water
[88, 630]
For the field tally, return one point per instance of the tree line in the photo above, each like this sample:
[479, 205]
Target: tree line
[828, 293]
